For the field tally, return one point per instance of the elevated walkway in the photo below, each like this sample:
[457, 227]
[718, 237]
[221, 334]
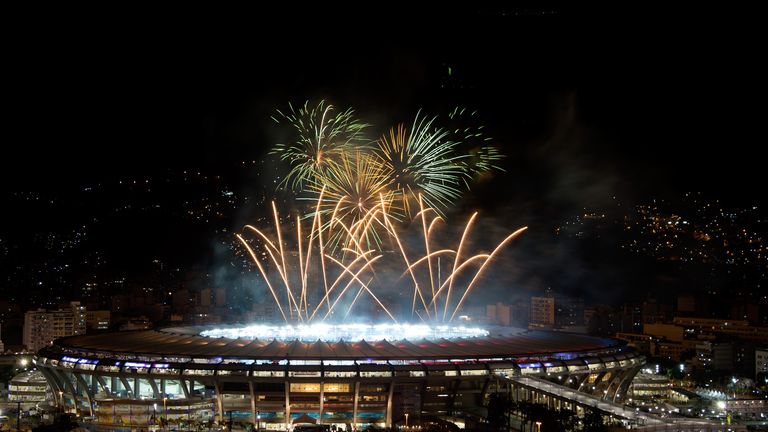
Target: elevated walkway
[557, 396]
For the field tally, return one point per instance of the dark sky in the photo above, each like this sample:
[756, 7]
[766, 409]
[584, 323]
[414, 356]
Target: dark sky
[632, 101]
[636, 102]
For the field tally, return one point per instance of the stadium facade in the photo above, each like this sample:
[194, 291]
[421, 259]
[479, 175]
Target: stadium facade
[137, 377]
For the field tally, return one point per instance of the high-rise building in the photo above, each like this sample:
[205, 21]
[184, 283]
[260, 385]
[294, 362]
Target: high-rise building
[569, 312]
[716, 356]
[182, 300]
[220, 297]
[557, 312]
[41, 326]
[98, 319]
[656, 312]
[542, 312]
[499, 314]
[521, 313]
[631, 318]
[723, 328]
[205, 297]
[761, 363]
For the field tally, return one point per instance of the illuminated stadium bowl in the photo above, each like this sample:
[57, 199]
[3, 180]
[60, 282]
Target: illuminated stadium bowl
[344, 374]
[346, 332]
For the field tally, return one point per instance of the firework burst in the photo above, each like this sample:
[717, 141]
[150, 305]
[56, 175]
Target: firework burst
[347, 193]
[410, 163]
[323, 135]
[422, 161]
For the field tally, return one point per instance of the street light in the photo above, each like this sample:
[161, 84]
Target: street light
[538, 426]
[406, 420]
[258, 420]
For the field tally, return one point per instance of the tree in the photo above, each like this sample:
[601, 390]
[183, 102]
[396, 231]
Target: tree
[498, 406]
[593, 422]
[567, 419]
[63, 423]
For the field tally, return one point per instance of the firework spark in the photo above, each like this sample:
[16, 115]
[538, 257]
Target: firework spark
[323, 135]
[422, 161]
[481, 154]
[353, 271]
[352, 189]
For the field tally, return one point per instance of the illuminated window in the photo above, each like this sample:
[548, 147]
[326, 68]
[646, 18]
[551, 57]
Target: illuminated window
[340, 374]
[305, 387]
[371, 398]
[336, 387]
[198, 372]
[372, 389]
[372, 374]
[268, 373]
[474, 372]
[304, 373]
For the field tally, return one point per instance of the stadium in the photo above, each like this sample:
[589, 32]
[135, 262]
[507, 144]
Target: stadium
[275, 381]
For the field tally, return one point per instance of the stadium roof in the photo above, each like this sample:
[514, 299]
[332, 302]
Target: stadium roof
[184, 341]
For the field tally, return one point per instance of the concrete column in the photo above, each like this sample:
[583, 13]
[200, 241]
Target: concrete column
[103, 384]
[187, 391]
[287, 404]
[484, 391]
[155, 391]
[88, 394]
[623, 385]
[253, 401]
[580, 382]
[454, 391]
[354, 407]
[68, 385]
[219, 399]
[388, 417]
[322, 395]
[52, 380]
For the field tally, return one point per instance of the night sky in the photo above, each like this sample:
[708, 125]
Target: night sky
[591, 106]
[659, 99]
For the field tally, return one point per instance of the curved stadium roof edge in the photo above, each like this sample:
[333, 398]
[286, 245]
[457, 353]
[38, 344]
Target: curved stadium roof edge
[186, 342]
